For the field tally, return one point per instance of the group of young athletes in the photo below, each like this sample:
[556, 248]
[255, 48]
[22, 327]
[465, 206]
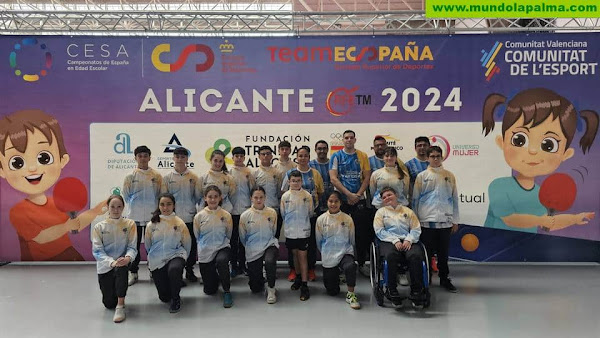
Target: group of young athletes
[230, 221]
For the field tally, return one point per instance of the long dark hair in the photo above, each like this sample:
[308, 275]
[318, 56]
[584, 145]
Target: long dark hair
[112, 197]
[210, 188]
[218, 152]
[392, 152]
[156, 213]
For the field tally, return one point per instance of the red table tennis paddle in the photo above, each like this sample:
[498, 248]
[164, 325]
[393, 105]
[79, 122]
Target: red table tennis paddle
[70, 196]
[557, 193]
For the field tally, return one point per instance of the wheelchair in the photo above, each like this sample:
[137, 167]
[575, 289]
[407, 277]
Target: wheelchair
[379, 276]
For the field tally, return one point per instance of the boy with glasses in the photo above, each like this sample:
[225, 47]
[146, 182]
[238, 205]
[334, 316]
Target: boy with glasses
[435, 201]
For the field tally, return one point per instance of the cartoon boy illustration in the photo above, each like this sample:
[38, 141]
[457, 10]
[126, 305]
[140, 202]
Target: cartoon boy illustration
[32, 155]
[537, 130]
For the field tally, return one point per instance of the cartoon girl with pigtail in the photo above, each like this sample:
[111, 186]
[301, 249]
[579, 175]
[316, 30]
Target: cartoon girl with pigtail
[537, 129]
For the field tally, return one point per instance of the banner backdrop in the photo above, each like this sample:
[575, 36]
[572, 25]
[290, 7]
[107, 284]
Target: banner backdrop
[485, 100]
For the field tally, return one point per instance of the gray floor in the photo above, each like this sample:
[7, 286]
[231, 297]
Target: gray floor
[493, 301]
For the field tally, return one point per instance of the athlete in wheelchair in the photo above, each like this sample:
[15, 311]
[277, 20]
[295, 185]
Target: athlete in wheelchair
[397, 231]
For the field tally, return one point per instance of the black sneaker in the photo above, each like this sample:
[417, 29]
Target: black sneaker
[394, 296]
[417, 298]
[447, 284]
[296, 285]
[175, 305]
[189, 275]
[304, 293]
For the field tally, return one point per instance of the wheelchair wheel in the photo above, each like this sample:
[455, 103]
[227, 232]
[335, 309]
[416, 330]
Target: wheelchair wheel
[374, 268]
[375, 275]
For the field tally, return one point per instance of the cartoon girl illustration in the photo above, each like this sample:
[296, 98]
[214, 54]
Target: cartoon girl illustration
[32, 156]
[537, 130]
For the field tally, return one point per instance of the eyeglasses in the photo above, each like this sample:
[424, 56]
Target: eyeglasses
[435, 156]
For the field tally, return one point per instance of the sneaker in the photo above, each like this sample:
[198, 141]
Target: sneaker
[175, 305]
[132, 279]
[271, 295]
[227, 300]
[364, 270]
[311, 275]
[304, 293]
[292, 275]
[394, 296]
[447, 284]
[342, 278]
[352, 300]
[417, 298]
[403, 279]
[297, 284]
[119, 314]
[190, 276]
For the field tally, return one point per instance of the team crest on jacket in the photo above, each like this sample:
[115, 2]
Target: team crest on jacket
[222, 219]
[124, 230]
[405, 215]
[175, 227]
[225, 182]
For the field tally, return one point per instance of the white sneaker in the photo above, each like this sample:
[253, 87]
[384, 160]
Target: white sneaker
[271, 295]
[403, 279]
[352, 300]
[132, 279]
[119, 314]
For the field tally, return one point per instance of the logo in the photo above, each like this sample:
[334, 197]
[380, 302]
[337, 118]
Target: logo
[123, 144]
[395, 53]
[166, 162]
[182, 58]
[335, 143]
[442, 142]
[222, 145]
[226, 47]
[340, 101]
[174, 143]
[487, 61]
[392, 142]
[29, 44]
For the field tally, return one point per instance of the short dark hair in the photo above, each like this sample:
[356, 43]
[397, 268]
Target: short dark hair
[321, 141]
[283, 144]
[434, 149]
[295, 173]
[386, 189]
[264, 148]
[238, 151]
[379, 138]
[349, 131]
[142, 149]
[422, 139]
[181, 151]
